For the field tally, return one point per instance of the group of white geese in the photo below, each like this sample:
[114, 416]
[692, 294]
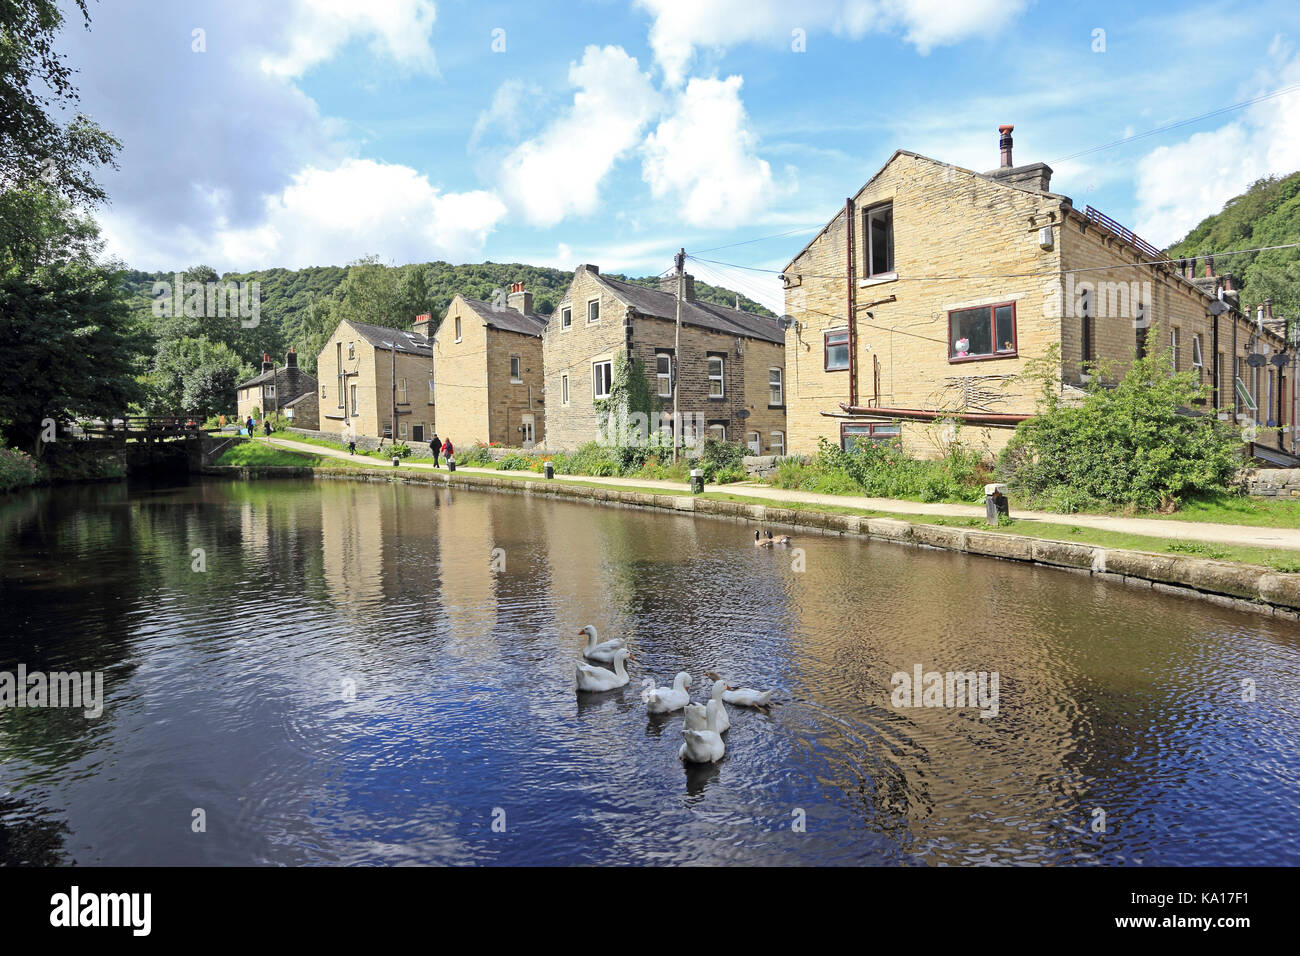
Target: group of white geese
[704, 724]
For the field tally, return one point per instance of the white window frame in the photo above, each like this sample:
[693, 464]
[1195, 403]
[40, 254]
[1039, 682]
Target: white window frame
[595, 378]
[432, 391]
[1198, 362]
[752, 439]
[354, 399]
[722, 429]
[401, 392]
[516, 370]
[596, 303]
[352, 351]
[720, 378]
[777, 442]
[402, 430]
[564, 389]
[867, 244]
[1173, 347]
[566, 318]
[664, 380]
[268, 391]
[458, 328]
[779, 385]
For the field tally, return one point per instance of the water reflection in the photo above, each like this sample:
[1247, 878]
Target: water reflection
[368, 672]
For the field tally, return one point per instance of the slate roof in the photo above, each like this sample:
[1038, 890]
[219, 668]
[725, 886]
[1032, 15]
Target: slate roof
[378, 335]
[510, 320]
[707, 315]
[304, 379]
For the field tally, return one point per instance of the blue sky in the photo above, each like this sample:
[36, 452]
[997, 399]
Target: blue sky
[314, 132]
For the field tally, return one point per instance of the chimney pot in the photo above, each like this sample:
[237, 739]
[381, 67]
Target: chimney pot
[1005, 144]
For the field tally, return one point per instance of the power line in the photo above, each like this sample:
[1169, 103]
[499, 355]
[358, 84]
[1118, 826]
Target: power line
[1180, 123]
[779, 235]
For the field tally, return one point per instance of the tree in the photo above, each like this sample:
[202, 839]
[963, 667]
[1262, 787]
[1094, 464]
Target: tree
[195, 374]
[35, 87]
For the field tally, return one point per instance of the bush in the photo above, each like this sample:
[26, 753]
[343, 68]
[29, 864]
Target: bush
[17, 470]
[477, 455]
[517, 462]
[1132, 445]
[884, 470]
[395, 450]
[722, 456]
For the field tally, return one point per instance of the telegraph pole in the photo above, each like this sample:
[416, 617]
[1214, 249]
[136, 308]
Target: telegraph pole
[677, 347]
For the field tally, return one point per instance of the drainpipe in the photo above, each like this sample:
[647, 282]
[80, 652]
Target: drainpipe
[1214, 347]
[851, 302]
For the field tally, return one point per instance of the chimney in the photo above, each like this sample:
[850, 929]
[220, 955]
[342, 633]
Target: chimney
[1035, 176]
[594, 270]
[291, 360]
[668, 284]
[267, 364]
[423, 325]
[1209, 265]
[1190, 271]
[520, 299]
[1268, 310]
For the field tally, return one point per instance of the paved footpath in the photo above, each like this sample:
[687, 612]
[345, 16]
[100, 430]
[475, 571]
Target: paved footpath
[1153, 527]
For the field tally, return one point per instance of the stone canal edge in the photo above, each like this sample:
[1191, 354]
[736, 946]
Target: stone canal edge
[1228, 584]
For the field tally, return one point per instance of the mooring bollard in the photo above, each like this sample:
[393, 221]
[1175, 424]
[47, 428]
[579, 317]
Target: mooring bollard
[995, 503]
[697, 481]
[548, 469]
[396, 461]
[451, 464]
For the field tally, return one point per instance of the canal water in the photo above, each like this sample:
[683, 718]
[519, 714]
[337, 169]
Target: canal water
[346, 672]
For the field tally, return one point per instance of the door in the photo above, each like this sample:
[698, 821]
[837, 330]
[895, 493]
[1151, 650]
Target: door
[529, 435]
[755, 442]
[417, 433]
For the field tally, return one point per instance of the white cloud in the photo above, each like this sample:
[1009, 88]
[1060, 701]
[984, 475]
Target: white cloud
[677, 33]
[558, 173]
[396, 29]
[702, 153]
[324, 217]
[1179, 185]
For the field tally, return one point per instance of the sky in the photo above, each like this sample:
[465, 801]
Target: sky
[315, 132]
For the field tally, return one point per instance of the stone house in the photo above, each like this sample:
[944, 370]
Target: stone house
[277, 390]
[920, 303]
[488, 371]
[730, 377]
[371, 375]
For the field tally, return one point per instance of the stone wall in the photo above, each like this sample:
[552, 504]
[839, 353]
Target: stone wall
[1272, 482]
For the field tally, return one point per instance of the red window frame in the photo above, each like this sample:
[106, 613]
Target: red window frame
[996, 353]
[826, 349]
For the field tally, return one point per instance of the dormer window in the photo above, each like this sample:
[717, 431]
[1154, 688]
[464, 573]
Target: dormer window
[878, 241]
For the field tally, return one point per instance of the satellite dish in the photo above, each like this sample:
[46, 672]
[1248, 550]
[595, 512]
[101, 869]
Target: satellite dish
[1280, 359]
[1255, 360]
[743, 414]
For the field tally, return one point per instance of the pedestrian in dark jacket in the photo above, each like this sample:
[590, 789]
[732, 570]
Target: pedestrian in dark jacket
[266, 426]
[435, 446]
[250, 426]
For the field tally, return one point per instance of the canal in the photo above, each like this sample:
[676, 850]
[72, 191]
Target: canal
[348, 672]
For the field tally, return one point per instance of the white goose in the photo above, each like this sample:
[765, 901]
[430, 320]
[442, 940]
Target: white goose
[603, 651]
[719, 695]
[743, 696]
[664, 700]
[702, 741]
[597, 678]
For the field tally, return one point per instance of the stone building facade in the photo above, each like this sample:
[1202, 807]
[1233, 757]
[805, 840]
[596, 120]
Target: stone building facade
[273, 389]
[488, 378]
[955, 280]
[358, 368]
[730, 377]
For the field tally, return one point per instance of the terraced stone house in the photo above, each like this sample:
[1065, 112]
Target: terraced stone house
[729, 376]
[377, 382]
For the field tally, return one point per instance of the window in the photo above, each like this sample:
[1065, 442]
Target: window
[516, 370]
[593, 311]
[717, 431]
[778, 443]
[716, 369]
[1140, 323]
[602, 374]
[268, 391]
[352, 351]
[851, 434]
[988, 331]
[564, 389]
[354, 399]
[879, 240]
[775, 389]
[1085, 313]
[1173, 348]
[388, 429]
[402, 430]
[664, 374]
[431, 391]
[566, 317]
[836, 350]
[1198, 363]
[458, 328]
[401, 392]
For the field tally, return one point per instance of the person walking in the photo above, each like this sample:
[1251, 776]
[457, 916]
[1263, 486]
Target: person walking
[352, 442]
[435, 446]
[447, 450]
[266, 427]
[250, 424]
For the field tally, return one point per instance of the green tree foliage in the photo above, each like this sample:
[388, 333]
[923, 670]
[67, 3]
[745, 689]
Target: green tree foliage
[1138, 444]
[195, 375]
[1267, 214]
[36, 91]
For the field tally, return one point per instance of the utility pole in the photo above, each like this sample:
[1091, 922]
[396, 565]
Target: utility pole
[677, 347]
[392, 439]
